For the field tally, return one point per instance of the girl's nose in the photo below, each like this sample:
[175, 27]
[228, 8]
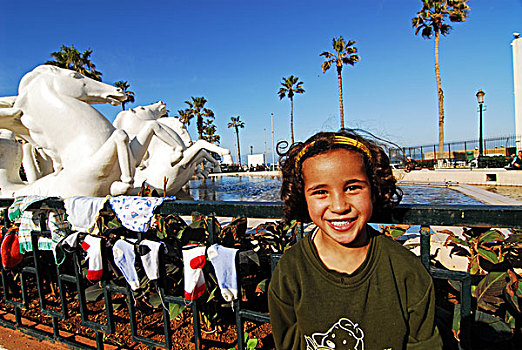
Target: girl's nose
[339, 204]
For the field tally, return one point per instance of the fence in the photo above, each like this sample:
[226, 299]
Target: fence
[424, 215]
[463, 151]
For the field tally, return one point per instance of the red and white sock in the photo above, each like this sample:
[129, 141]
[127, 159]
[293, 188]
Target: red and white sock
[92, 245]
[193, 262]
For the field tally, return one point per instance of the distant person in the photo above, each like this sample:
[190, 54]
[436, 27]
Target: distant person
[516, 163]
[410, 165]
[345, 285]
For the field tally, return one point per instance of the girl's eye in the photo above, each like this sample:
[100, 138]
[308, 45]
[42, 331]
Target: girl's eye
[319, 192]
[352, 188]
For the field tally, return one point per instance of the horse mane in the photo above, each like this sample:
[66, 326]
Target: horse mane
[29, 78]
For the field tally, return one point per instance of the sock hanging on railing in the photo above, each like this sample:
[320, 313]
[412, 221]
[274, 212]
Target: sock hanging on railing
[125, 259]
[224, 261]
[92, 245]
[150, 259]
[193, 262]
[10, 249]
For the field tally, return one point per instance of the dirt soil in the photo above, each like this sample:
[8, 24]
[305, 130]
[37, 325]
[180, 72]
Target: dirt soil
[150, 325]
[13, 339]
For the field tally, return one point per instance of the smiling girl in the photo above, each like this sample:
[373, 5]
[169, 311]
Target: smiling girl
[346, 286]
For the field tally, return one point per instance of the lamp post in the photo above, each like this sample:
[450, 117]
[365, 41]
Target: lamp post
[273, 142]
[480, 99]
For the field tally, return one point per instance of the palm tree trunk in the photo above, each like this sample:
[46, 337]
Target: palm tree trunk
[440, 95]
[292, 119]
[238, 148]
[341, 107]
[200, 127]
[123, 106]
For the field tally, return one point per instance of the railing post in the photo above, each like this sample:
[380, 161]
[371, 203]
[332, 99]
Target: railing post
[425, 246]
[211, 229]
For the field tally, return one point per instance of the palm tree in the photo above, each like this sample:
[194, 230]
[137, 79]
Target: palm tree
[430, 21]
[236, 124]
[344, 53]
[70, 58]
[129, 95]
[184, 116]
[210, 132]
[291, 86]
[197, 109]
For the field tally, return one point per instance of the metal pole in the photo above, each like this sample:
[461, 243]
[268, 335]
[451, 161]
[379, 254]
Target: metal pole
[264, 158]
[481, 149]
[273, 141]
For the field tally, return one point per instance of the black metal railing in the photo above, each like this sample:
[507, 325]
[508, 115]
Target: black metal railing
[423, 215]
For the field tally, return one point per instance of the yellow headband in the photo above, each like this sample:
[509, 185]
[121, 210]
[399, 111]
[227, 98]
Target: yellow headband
[341, 140]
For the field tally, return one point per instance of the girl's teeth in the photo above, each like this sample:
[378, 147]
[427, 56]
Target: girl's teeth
[340, 223]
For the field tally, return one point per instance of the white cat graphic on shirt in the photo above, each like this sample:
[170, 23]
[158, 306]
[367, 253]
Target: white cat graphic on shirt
[344, 335]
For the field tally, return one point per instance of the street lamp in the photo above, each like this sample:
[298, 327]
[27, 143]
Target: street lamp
[480, 99]
[273, 142]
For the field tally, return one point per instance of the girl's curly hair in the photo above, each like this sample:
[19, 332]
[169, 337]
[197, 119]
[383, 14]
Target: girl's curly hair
[378, 170]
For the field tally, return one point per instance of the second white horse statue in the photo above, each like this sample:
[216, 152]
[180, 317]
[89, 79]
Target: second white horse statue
[154, 169]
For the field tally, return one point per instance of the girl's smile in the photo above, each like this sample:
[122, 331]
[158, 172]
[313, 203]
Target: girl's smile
[338, 196]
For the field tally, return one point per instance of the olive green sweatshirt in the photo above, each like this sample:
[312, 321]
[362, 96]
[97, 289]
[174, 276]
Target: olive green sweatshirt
[386, 304]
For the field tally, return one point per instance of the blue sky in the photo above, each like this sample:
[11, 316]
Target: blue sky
[235, 52]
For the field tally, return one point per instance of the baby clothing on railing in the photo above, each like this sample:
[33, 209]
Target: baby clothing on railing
[82, 211]
[10, 248]
[193, 262]
[224, 261]
[150, 259]
[135, 213]
[30, 221]
[60, 230]
[92, 245]
[20, 204]
[125, 259]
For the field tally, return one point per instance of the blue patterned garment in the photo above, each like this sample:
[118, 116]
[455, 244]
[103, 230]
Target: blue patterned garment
[135, 213]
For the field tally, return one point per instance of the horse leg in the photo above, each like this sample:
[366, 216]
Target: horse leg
[140, 143]
[202, 146]
[223, 152]
[117, 145]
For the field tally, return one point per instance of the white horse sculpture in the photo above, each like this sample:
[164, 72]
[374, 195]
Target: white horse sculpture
[153, 170]
[89, 155]
[10, 160]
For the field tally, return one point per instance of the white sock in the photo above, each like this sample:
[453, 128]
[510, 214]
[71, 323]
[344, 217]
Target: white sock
[224, 261]
[150, 260]
[193, 262]
[125, 259]
[92, 245]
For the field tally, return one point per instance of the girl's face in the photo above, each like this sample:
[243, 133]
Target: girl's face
[338, 195]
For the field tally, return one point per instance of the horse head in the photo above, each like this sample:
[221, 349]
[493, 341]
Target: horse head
[72, 84]
[150, 112]
[134, 119]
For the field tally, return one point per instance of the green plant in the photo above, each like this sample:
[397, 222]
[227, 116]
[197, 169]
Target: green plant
[477, 246]
[251, 343]
[498, 293]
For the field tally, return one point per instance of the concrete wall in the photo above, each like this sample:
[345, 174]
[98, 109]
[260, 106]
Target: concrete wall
[500, 177]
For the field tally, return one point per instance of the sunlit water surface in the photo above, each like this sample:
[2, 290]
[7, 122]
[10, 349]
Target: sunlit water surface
[266, 189]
